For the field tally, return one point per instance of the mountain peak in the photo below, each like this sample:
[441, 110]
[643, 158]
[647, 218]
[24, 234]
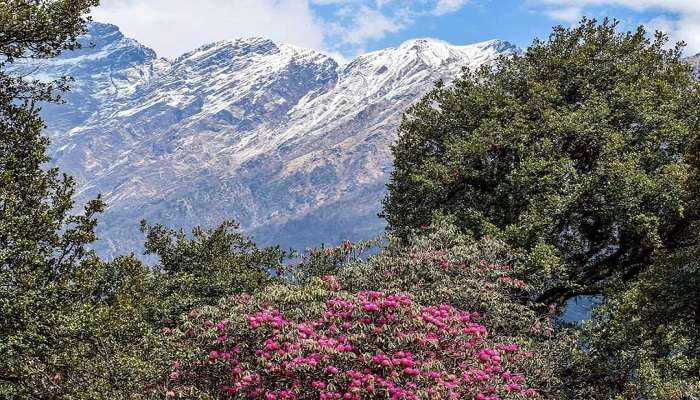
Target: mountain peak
[233, 48]
[260, 45]
[103, 47]
[101, 35]
[103, 29]
[431, 53]
[420, 43]
[256, 50]
[501, 46]
[426, 43]
[252, 42]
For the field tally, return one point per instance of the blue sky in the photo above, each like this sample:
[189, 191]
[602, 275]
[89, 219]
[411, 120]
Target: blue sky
[345, 28]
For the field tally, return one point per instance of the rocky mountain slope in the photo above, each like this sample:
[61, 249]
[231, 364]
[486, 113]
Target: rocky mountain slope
[695, 63]
[283, 139]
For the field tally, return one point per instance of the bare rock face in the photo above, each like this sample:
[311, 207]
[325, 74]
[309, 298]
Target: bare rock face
[283, 139]
[694, 61]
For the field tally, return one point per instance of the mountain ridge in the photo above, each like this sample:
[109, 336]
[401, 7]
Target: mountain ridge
[284, 139]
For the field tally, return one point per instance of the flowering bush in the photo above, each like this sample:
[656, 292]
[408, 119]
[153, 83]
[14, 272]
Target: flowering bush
[320, 343]
[440, 265]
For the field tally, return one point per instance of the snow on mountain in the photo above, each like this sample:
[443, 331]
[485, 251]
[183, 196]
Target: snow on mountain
[283, 139]
[107, 68]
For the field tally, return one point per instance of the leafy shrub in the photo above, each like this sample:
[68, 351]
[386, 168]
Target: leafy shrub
[347, 313]
[200, 269]
[440, 264]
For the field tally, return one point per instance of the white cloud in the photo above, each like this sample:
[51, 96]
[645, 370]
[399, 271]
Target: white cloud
[569, 14]
[173, 27]
[358, 22]
[369, 24]
[361, 21]
[682, 21]
[448, 6]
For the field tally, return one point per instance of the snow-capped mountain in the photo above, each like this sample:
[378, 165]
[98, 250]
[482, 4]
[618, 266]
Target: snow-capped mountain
[283, 139]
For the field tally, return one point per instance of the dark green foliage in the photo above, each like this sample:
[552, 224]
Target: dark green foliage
[582, 155]
[41, 28]
[576, 150]
[35, 225]
[645, 341]
[71, 325]
[328, 260]
[211, 265]
[42, 247]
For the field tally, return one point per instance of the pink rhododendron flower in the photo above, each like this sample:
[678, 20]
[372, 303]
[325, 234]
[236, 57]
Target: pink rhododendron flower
[371, 345]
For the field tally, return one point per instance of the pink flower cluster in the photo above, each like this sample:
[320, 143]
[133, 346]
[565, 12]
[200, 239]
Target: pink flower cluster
[370, 345]
[265, 317]
[331, 283]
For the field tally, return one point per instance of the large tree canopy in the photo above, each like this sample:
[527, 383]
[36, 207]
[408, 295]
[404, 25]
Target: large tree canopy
[207, 266]
[41, 244]
[578, 150]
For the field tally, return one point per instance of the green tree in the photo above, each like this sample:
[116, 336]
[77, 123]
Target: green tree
[43, 250]
[578, 151]
[211, 265]
[644, 342]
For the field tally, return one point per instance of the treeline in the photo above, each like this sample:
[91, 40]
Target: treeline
[571, 169]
